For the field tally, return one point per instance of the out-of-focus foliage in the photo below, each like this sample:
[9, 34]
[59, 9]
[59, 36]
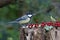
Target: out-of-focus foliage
[9, 12]
[15, 10]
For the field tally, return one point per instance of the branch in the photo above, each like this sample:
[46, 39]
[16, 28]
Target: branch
[5, 2]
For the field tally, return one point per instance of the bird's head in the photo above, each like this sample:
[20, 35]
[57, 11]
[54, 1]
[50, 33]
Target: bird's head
[29, 14]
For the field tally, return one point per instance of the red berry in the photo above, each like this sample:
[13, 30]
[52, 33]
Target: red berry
[43, 24]
[30, 26]
[57, 24]
[49, 23]
[36, 25]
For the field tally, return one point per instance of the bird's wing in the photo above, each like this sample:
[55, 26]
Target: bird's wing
[22, 18]
[19, 19]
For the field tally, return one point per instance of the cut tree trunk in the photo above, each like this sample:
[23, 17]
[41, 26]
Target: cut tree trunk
[51, 34]
[40, 34]
[54, 34]
[21, 34]
[36, 34]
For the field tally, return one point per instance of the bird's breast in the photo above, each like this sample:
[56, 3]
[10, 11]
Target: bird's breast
[24, 21]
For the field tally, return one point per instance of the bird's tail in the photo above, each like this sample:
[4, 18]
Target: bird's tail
[13, 22]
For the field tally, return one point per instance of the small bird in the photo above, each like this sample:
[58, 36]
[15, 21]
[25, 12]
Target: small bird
[24, 19]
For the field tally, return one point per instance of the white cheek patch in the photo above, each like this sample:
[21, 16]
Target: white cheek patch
[29, 15]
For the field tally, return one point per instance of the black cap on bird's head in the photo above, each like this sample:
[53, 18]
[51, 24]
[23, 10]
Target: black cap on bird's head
[30, 14]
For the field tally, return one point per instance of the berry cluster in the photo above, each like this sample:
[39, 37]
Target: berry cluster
[43, 24]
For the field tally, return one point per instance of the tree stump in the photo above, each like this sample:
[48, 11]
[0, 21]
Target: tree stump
[21, 34]
[39, 35]
[53, 34]
[36, 34]
[58, 34]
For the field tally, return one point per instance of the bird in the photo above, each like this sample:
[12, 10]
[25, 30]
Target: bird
[24, 19]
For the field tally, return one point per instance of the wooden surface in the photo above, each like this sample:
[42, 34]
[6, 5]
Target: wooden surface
[21, 34]
[53, 34]
[39, 34]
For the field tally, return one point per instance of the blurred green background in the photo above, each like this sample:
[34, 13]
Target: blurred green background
[14, 10]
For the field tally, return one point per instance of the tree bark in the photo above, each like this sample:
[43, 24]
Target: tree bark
[21, 34]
